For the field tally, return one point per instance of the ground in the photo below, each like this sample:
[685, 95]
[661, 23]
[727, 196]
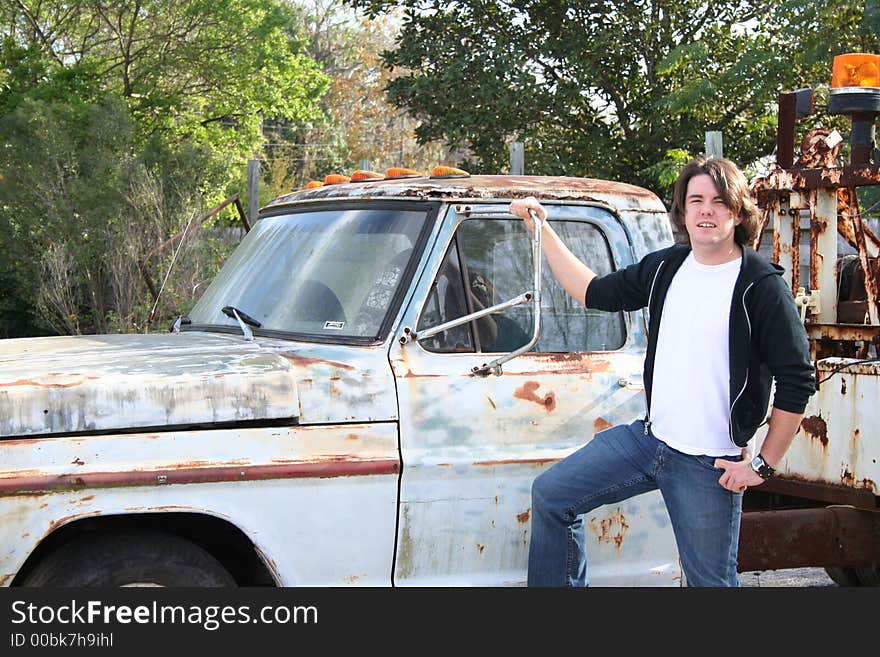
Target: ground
[789, 577]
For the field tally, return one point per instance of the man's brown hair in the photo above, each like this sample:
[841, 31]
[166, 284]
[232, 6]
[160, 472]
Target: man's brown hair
[733, 188]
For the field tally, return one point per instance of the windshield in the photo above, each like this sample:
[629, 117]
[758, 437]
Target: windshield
[332, 273]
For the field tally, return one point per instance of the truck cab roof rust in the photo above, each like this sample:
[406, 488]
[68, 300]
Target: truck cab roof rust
[642, 213]
[482, 187]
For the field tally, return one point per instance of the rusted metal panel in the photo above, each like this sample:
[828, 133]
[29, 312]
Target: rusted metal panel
[473, 445]
[786, 180]
[823, 252]
[296, 504]
[836, 444]
[862, 498]
[619, 195]
[111, 382]
[834, 536]
[95, 383]
[785, 236]
[850, 332]
[336, 467]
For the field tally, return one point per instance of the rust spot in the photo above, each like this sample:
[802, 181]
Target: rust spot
[856, 434]
[611, 529]
[302, 360]
[516, 462]
[524, 516]
[37, 384]
[527, 393]
[77, 461]
[351, 436]
[321, 468]
[601, 424]
[848, 479]
[491, 403]
[87, 498]
[55, 524]
[842, 386]
[480, 548]
[571, 363]
[5, 578]
[816, 427]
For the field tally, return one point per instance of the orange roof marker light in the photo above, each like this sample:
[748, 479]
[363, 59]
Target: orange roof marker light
[335, 179]
[449, 172]
[400, 172]
[314, 183]
[363, 175]
[855, 70]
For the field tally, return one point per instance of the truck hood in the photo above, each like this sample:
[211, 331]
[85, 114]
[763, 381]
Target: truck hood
[122, 382]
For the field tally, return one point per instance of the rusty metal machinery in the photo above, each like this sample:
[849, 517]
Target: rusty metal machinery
[834, 460]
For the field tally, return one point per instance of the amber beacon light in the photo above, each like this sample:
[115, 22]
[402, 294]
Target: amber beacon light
[856, 70]
[855, 92]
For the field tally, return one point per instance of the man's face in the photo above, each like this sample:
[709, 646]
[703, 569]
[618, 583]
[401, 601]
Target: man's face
[709, 222]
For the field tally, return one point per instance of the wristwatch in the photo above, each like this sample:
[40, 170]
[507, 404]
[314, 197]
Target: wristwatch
[762, 468]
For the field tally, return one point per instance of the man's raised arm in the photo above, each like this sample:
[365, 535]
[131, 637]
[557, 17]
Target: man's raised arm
[572, 274]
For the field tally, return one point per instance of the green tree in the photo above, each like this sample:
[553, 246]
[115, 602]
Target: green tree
[119, 123]
[358, 123]
[604, 88]
[199, 69]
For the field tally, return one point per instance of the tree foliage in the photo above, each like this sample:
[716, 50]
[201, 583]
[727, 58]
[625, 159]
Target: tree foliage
[358, 123]
[604, 88]
[119, 123]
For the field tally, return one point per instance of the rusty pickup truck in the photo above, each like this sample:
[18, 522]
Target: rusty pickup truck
[364, 395]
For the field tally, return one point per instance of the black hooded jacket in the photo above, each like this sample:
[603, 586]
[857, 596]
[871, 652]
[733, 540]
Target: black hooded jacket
[767, 338]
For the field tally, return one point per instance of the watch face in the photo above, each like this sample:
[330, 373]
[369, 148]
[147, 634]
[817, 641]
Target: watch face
[760, 466]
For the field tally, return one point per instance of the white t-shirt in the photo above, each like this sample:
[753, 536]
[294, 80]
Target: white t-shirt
[690, 393]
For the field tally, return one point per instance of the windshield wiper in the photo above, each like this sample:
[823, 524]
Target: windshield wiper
[180, 321]
[243, 320]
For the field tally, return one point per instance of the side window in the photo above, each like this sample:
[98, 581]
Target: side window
[446, 302]
[495, 257]
[566, 324]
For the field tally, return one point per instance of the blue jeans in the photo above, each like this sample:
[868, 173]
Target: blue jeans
[620, 463]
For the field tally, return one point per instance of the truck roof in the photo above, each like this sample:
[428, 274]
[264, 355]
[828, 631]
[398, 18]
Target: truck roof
[621, 196]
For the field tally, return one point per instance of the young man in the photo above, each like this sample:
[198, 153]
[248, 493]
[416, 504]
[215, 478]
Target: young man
[723, 324]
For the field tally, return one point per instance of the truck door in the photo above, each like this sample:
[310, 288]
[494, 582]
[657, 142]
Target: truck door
[472, 445]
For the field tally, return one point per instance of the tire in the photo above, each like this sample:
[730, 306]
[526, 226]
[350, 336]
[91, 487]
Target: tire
[855, 576]
[138, 558]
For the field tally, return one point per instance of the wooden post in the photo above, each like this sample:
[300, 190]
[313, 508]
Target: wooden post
[517, 158]
[714, 144]
[253, 176]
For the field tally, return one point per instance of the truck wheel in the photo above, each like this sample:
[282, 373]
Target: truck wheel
[855, 576]
[140, 558]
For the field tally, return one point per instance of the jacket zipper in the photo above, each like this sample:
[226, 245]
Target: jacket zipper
[746, 382]
[651, 296]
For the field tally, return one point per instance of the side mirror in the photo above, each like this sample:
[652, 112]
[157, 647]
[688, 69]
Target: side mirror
[533, 296]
